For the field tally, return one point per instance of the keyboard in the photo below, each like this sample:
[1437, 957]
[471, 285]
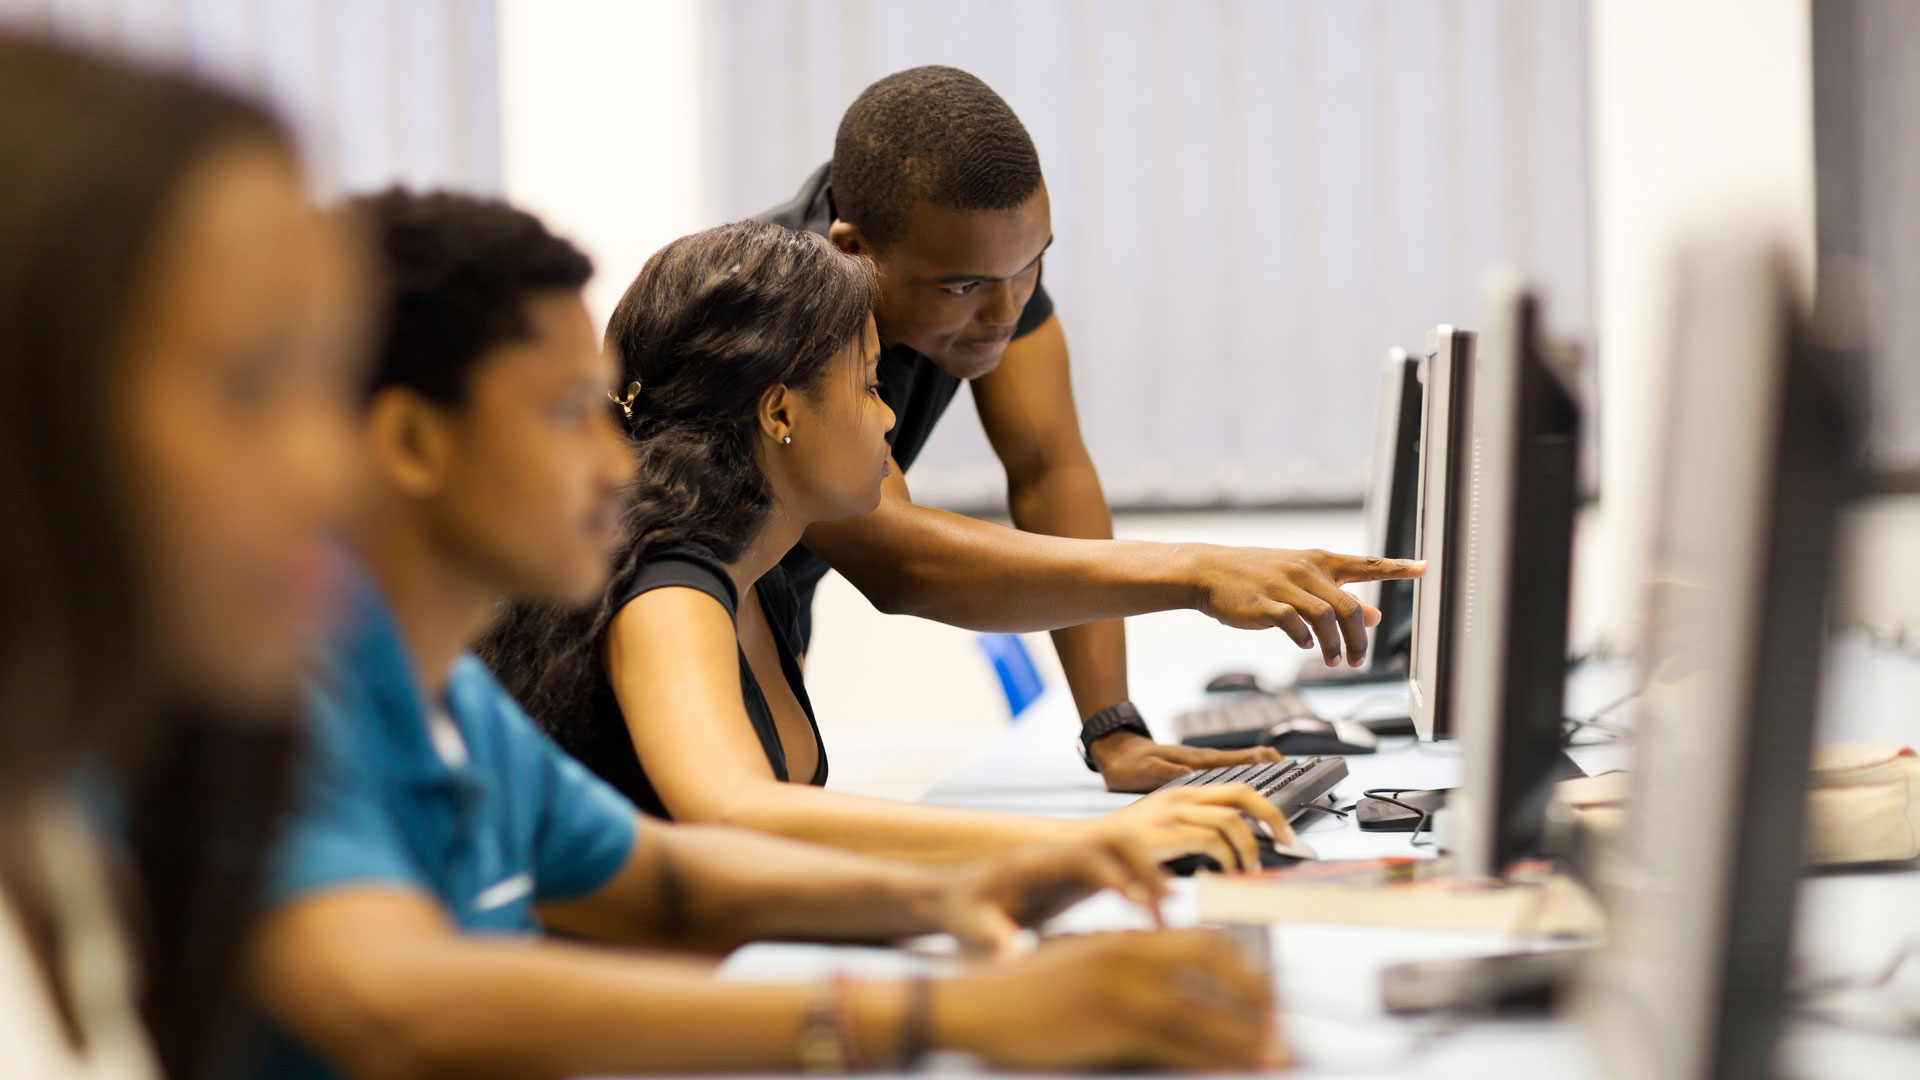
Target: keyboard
[1280, 720]
[1289, 785]
[1242, 721]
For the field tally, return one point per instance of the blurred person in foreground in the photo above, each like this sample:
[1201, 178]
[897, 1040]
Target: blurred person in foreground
[440, 833]
[176, 379]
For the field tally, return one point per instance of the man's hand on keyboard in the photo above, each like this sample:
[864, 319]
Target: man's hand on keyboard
[1212, 820]
[1297, 591]
[1133, 762]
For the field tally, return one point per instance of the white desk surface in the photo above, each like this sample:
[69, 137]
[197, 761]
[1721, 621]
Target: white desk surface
[1328, 977]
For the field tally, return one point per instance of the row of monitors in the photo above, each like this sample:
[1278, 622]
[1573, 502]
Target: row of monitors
[1477, 472]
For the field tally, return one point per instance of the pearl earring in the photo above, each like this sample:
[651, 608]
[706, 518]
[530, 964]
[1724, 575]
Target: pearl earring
[788, 441]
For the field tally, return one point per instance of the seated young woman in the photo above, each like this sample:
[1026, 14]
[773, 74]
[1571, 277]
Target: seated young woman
[748, 353]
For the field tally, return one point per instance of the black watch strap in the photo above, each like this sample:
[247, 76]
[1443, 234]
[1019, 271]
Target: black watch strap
[1113, 718]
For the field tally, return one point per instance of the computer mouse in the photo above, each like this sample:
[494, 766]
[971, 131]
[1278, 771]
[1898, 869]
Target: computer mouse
[1271, 858]
[1189, 865]
[1233, 682]
[1311, 735]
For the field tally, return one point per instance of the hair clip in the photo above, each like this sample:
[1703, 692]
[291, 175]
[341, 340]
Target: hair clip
[626, 403]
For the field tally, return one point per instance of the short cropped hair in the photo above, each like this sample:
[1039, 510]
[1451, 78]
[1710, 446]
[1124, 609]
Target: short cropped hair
[928, 134]
[457, 273]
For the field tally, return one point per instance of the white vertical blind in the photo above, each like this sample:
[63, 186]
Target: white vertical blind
[378, 91]
[1252, 201]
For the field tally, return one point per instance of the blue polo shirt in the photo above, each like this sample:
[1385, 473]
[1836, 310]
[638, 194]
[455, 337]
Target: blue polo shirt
[487, 830]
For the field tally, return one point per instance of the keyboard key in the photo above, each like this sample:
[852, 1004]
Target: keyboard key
[1236, 774]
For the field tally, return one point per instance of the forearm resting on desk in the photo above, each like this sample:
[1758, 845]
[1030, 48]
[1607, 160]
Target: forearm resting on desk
[926, 834]
[1207, 819]
[393, 992]
[713, 888]
[375, 981]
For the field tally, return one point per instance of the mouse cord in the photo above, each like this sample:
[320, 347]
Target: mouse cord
[1903, 639]
[1327, 809]
[1386, 794]
[1874, 981]
[1596, 721]
[1900, 1026]
[1367, 703]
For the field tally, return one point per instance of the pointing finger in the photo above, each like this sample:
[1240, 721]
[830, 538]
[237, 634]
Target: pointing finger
[1346, 568]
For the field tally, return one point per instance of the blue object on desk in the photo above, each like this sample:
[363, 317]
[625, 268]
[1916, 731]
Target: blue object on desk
[1018, 677]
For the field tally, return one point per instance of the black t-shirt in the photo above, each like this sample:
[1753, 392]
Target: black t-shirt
[603, 743]
[914, 387]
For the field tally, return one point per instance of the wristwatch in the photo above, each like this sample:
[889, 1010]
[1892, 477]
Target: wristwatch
[1113, 718]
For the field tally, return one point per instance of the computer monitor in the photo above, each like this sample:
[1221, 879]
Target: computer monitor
[1511, 563]
[1700, 888]
[1393, 494]
[1446, 368]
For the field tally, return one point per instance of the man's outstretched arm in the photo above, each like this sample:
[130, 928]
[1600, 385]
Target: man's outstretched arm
[914, 560]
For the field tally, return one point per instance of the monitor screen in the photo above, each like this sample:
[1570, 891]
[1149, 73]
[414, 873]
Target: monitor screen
[1446, 377]
[1392, 498]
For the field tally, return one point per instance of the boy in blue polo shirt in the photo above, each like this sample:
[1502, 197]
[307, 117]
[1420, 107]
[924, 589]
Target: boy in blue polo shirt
[440, 833]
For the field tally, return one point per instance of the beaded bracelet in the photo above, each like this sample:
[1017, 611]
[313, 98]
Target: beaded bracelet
[829, 1042]
[827, 1039]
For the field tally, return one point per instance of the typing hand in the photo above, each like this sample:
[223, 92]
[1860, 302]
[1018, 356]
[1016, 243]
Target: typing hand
[1209, 819]
[990, 899]
[1184, 1000]
[1297, 591]
[1132, 762]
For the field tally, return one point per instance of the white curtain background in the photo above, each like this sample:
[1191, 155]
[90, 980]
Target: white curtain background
[378, 91]
[1252, 200]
